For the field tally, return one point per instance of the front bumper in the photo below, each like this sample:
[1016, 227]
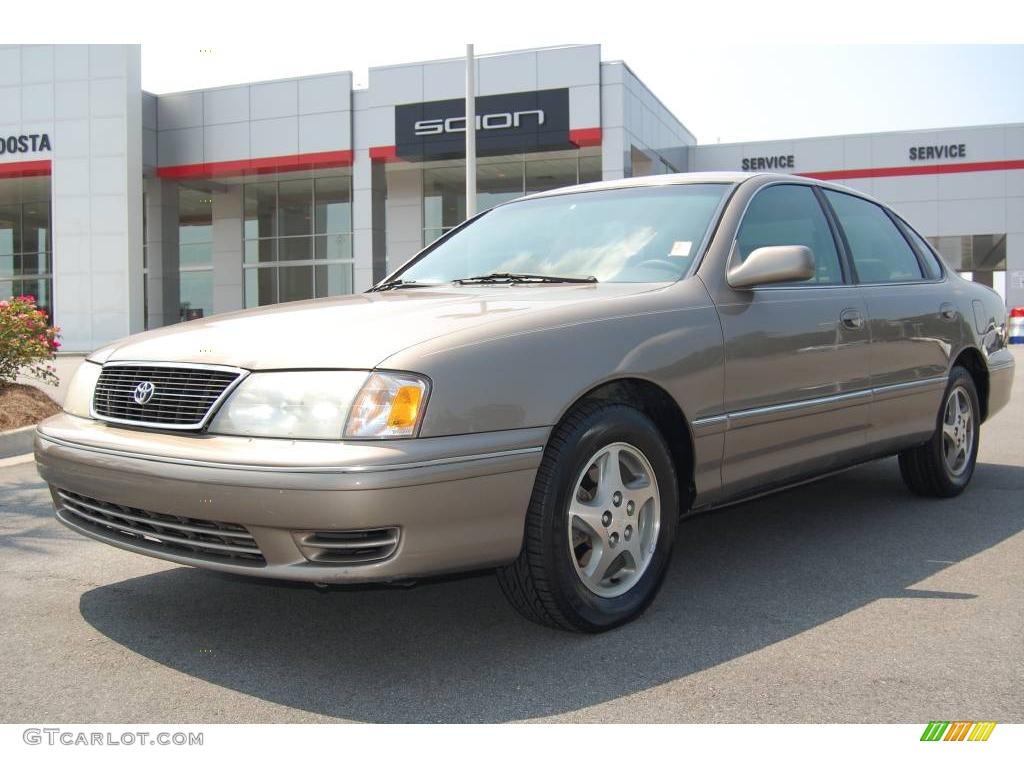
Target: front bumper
[458, 503]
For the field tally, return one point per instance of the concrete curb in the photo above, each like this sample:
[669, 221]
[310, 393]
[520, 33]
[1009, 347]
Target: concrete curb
[15, 442]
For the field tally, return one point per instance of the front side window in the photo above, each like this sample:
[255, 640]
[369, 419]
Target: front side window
[789, 214]
[880, 252]
[643, 234]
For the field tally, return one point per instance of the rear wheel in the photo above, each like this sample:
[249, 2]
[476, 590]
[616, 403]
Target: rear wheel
[601, 522]
[943, 466]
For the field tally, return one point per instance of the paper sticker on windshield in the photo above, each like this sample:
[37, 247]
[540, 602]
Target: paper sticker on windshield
[681, 248]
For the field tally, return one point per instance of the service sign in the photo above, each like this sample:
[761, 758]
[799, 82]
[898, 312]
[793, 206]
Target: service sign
[506, 124]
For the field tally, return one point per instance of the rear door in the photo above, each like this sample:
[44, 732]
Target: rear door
[796, 370]
[913, 322]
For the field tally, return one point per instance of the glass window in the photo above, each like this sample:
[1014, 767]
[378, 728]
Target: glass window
[295, 248]
[196, 294]
[931, 261]
[260, 286]
[10, 229]
[261, 210]
[880, 252]
[590, 168]
[289, 225]
[333, 247]
[295, 207]
[333, 279]
[444, 198]
[26, 265]
[295, 283]
[646, 234]
[545, 174]
[333, 213]
[789, 214]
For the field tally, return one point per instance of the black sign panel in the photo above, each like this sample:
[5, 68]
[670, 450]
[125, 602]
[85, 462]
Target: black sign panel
[506, 124]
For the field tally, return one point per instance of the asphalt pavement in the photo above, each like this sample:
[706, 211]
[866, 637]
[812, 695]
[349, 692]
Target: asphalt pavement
[848, 600]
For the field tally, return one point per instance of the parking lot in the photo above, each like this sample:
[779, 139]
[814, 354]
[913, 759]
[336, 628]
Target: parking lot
[848, 600]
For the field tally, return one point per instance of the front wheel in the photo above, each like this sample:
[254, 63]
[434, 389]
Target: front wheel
[943, 466]
[601, 522]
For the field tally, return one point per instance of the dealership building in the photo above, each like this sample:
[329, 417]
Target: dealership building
[123, 210]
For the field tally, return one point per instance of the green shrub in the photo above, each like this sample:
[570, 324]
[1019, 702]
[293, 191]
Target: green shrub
[27, 343]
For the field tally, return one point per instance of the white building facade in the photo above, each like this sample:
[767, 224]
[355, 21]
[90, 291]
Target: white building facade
[123, 210]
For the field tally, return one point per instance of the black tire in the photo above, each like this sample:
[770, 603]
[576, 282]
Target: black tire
[542, 584]
[924, 468]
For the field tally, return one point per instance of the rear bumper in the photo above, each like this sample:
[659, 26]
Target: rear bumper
[458, 503]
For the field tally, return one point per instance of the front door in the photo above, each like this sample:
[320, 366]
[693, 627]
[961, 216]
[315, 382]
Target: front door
[797, 387]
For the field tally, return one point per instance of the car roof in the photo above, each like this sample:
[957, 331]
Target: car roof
[660, 180]
[709, 177]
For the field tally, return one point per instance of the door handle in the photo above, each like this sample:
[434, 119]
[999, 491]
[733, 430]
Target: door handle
[852, 319]
[948, 311]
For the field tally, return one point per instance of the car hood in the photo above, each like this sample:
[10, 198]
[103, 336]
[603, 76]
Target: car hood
[357, 331]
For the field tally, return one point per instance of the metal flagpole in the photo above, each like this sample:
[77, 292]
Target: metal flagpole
[470, 133]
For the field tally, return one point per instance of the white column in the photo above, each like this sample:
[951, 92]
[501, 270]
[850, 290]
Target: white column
[97, 193]
[227, 250]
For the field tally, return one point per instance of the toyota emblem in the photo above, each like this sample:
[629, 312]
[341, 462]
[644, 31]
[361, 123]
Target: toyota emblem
[143, 392]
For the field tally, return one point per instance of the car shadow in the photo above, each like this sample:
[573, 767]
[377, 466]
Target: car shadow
[452, 650]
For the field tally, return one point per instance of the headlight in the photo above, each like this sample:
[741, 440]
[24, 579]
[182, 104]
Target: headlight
[316, 405]
[388, 405]
[78, 399]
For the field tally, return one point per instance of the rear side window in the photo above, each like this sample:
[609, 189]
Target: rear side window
[931, 261]
[789, 214]
[880, 252]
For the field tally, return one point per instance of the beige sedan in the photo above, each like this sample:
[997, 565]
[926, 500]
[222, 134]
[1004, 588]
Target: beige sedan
[545, 390]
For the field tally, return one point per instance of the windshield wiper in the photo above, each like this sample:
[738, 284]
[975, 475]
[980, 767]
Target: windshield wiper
[390, 285]
[522, 277]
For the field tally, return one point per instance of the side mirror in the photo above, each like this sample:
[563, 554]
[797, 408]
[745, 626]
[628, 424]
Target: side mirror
[773, 264]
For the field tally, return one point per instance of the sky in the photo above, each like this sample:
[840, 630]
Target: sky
[729, 71]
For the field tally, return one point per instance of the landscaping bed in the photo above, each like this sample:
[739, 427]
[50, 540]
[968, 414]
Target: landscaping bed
[22, 405]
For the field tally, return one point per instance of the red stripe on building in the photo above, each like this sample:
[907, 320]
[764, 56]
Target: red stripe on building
[256, 165]
[916, 170]
[26, 168]
[388, 154]
[585, 137]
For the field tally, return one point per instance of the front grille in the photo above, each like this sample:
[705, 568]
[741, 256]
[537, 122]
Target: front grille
[182, 396]
[347, 547]
[203, 539]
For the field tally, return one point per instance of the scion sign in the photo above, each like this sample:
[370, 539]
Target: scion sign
[507, 123]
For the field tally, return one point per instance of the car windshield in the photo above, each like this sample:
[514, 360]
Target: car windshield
[633, 235]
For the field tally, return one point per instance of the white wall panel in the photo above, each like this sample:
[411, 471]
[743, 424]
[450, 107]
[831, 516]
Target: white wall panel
[37, 102]
[179, 110]
[70, 62]
[71, 100]
[445, 80]
[226, 142]
[331, 93]
[572, 65]
[10, 66]
[324, 132]
[226, 105]
[277, 99]
[107, 97]
[509, 73]
[271, 138]
[36, 64]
